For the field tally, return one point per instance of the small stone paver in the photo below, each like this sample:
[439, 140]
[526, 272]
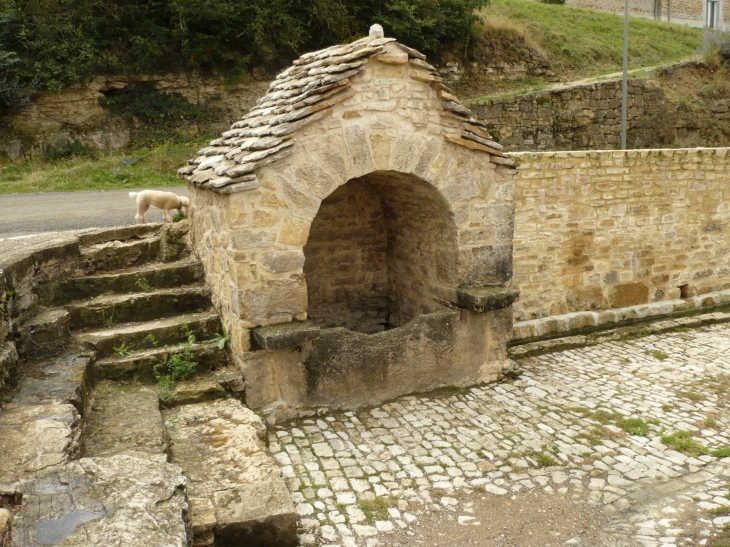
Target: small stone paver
[560, 427]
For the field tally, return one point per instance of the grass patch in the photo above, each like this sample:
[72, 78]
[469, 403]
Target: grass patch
[377, 509]
[723, 539]
[581, 43]
[682, 441]
[659, 355]
[721, 511]
[155, 169]
[544, 459]
[721, 452]
[692, 396]
[143, 284]
[176, 365]
[633, 426]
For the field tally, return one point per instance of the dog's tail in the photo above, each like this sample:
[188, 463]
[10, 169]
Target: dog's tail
[132, 194]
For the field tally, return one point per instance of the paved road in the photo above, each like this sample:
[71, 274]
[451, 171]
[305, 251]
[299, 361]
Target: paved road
[484, 465]
[25, 214]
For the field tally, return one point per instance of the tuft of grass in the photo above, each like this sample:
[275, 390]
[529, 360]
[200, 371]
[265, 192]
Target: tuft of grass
[659, 355]
[692, 396]
[721, 453]
[377, 509]
[143, 284]
[633, 426]
[176, 365]
[682, 441]
[544, 459]
[122, 351]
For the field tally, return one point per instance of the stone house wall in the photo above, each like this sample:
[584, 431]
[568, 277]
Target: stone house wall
[611, 229]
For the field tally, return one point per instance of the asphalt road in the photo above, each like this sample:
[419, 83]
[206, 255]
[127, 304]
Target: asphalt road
[26, 214]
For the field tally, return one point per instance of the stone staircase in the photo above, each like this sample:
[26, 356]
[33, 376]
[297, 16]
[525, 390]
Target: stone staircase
[94, 452]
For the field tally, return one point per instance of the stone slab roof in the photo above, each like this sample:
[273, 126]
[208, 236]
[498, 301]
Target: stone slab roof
[304, 93]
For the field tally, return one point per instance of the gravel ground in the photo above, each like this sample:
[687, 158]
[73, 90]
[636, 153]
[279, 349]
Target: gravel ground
[549, 458]
[25, 214]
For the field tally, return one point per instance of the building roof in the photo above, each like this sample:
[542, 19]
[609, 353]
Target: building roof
[303, 94]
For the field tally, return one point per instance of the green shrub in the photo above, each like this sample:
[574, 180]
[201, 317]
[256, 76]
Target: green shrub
[552, 1]
[51, 44]
[76, 148]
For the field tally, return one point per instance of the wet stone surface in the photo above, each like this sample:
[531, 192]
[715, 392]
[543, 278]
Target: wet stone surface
[585, 425]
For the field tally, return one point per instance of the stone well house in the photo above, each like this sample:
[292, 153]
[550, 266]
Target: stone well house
[356, 229]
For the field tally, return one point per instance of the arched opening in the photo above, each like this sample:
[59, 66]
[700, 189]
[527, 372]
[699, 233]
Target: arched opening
[377, 248]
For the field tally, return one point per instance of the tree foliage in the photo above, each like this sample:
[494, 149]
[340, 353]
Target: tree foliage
[51, 44]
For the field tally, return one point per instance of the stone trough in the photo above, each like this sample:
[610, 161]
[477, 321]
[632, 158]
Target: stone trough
[356, 232]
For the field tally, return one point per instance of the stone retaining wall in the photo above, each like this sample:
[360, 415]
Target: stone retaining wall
[588, 116]
[55, 120]
[610, 229]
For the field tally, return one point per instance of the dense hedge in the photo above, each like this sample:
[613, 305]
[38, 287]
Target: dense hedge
[50, 44]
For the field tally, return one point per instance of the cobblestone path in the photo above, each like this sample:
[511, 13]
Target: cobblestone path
[586, 425]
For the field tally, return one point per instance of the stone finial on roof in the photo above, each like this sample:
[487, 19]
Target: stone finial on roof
[376, 31]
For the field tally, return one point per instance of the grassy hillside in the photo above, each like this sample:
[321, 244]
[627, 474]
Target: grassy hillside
[579, 43]
[151, 168]
[582, 43]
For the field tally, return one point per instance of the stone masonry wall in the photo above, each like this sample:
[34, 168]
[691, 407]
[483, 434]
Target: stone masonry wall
[588, 116]
[585, 117]
[345, 261]
[610, 229]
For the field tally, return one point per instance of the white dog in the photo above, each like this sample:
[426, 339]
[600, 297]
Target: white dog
[162, 200]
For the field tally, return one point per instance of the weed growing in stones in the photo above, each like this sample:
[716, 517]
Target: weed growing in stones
[721, 453]
[659, 355]
[143, 284]
[221, 338]
[682, 441]
[122, 351]
[377, 509]
[633, 426]
[666, 407]
[723, 540]
[691, 395]
[177, 365]
[721, 511]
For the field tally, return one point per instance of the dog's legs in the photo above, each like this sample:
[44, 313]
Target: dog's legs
[141, 210]
[166, 215]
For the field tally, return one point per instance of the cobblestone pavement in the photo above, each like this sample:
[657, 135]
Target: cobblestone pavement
[585, 424]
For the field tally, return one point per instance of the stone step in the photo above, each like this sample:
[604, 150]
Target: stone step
[155, 275]
[167, 331]
[236, 493]
[94, 236]
[139, 365]
[117, 255]
[67, 378]
[218, 384]
[109, 310]
[117, 500]
[34, 437]
[126, 419]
